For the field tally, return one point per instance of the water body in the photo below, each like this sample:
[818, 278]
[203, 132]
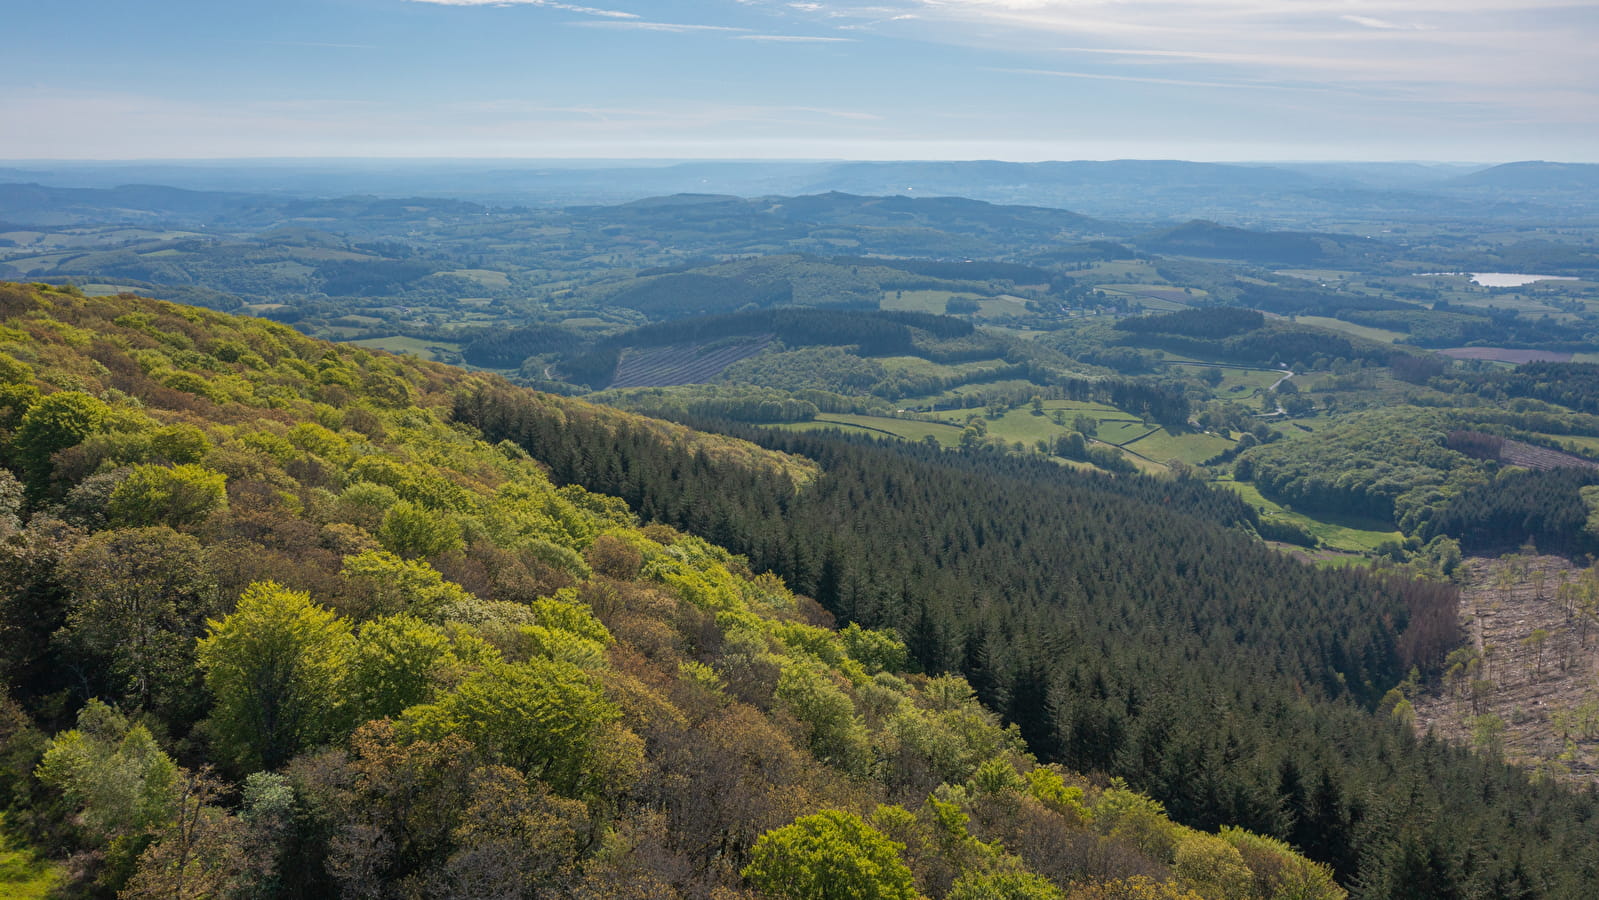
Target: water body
[1499, 279]
[1512, 279]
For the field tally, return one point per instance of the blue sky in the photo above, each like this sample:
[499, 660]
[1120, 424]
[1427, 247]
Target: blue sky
[1462, 80]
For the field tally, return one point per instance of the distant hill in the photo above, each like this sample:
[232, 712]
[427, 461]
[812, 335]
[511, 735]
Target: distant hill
[1534, 176]
[952, 214]
[965, 177]
[1210, 240]
[39, 204]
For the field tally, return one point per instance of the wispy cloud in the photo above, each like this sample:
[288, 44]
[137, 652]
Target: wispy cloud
[673, 27]
[1183, 82]
[1383, 24]
[548, 4]
[795, 39]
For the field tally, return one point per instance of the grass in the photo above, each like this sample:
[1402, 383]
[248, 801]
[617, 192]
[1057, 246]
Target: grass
[915, 365]
[104, 290]
[1381, 335]
[411, 345]
[486, 277]
[1349, 533]
[1237, 383]
[1140, 296]
[1001, 308]
[882, 426]
[23, 875]
[1192, 448]
[918, 301]
[1577, 442]
[1120, 431]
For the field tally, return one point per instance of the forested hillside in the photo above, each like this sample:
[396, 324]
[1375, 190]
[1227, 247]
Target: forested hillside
[1125, 629]
[286, 618]
[275, 622]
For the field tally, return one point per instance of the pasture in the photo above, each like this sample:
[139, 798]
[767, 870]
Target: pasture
[1352, 534]
[433, 349]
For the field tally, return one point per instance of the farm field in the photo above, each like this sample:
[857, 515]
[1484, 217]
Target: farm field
[1160, 299]
[680, 363]
[884, 426]
[427, 349]
[486, 277]
[919, 301]
[1001, 307]
[1192, 448]
[98, 289]
[1576, 443]
[1381, 335]
[1352, 534]
[915, 365]
[1238, 383]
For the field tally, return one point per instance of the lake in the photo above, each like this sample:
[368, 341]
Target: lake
[1512, 279]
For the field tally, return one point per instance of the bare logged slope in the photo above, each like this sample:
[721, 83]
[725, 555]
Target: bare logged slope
[1524, 685]
[681, 363]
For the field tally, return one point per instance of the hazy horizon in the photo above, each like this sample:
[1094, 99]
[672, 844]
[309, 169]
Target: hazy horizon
[1022, 80]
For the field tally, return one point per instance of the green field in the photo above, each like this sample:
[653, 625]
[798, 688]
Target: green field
[1147, 296]
[919, 301]
[486, 277]
[1001, 308]
[1120, 431]
[104, 290]
[23, 875]
[1235, 383]
[882, 426]
[1577, 443]
[414, 346]
[915, 365]
[1349, 533]
[1192, 448]
[1380, 335]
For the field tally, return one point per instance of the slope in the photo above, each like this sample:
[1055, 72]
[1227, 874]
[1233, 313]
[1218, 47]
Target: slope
[318, 640]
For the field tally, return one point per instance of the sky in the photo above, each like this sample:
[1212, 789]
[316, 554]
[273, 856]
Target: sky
[1448, 80]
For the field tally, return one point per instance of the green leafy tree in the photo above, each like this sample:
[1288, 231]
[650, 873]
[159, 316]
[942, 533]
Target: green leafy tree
[56, 422]
[412, 531]
[394, 665]
[1212, 867]
[544, 717]
[385, 584]
[138, 600]
[1004, 886]
[832, 855]
[200, 851]
[113, 774]
[179, 496]
[275, 667]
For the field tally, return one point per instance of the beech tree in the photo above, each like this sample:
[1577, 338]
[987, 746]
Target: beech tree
[138, 600]
[832, 855]
[157, 495]
[274, 667]
[56, 422]
[114, 775]
[546, 718]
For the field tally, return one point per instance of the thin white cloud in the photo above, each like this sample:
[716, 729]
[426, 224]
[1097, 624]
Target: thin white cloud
[672, 27]
[795, 39]
[548, 4]
[1382, 24]
[1182, 82]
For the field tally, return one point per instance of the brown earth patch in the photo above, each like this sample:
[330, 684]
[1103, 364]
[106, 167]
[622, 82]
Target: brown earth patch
[1536, 651]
